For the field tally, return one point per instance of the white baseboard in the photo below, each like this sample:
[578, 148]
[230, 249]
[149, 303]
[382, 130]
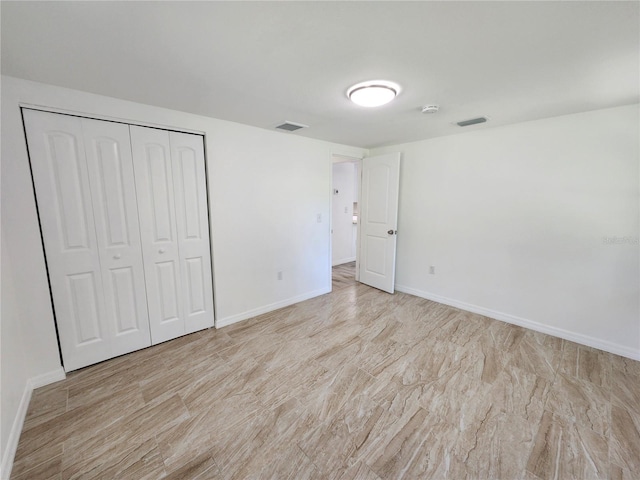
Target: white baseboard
[48, 378]
[343, 260]
[223, 322]
[14, 435]
[530, 324]
[18, 422]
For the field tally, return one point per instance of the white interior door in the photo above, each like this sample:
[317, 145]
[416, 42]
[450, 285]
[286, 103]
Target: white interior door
[379, 220]
[110, 167]
[157, 214]
[187, 158]
[100, 308]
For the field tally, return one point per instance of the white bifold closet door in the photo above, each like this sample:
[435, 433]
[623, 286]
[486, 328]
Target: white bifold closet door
[187, 160]
[124, 218]
[83, 175]
[172, 198]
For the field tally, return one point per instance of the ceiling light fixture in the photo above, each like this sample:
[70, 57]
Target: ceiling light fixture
[373, 93]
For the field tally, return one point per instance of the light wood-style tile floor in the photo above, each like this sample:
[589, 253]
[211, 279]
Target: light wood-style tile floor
[344, 276]
[356, 384]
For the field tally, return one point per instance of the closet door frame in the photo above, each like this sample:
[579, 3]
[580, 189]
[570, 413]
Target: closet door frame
[128, 122]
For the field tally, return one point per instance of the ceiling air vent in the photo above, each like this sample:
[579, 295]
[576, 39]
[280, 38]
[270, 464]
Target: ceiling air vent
[473, 121]
[291, 126]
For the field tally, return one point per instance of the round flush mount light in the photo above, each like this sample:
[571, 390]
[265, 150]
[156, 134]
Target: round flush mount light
[373, 93]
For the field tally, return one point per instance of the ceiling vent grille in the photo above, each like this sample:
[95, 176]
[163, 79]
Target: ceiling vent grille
[291, 126]
[473, 121]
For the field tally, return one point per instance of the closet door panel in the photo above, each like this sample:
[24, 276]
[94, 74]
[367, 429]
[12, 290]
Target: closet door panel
[59, 168]
[127, 305]
[85, 301]
[110, 166]
[187, 155]
[156, 212]
[195, 280]
[167, 276]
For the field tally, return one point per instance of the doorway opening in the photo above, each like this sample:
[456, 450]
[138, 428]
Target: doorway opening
[345, 216]
[343, 275]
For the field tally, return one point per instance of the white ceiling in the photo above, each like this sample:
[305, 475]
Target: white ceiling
[261, 63]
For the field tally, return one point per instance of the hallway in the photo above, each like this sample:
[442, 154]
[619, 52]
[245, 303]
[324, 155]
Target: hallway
[343, 275]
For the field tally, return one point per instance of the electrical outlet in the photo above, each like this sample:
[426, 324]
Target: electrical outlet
[432, 270]
[280, 275]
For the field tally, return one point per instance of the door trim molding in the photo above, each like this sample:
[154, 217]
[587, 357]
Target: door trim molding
[107, 118]
[348, 157]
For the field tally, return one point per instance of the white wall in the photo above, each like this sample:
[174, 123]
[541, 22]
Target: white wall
[266, 190]
[14, 374]
[344, 230]
[515, 220]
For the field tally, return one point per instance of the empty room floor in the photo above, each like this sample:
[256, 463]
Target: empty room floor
[356, 384]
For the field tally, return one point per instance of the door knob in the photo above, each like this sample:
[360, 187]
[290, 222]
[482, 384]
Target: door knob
[162, 250]
[391, 232]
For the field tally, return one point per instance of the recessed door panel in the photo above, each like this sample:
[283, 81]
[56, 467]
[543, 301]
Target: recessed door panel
[378, 181]
[157, 172]
[86, 312]
[125, 299]
[166, 274]
[195, 285]
[375, 260]
[111, 190]
[65, 171]
[188, 174]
